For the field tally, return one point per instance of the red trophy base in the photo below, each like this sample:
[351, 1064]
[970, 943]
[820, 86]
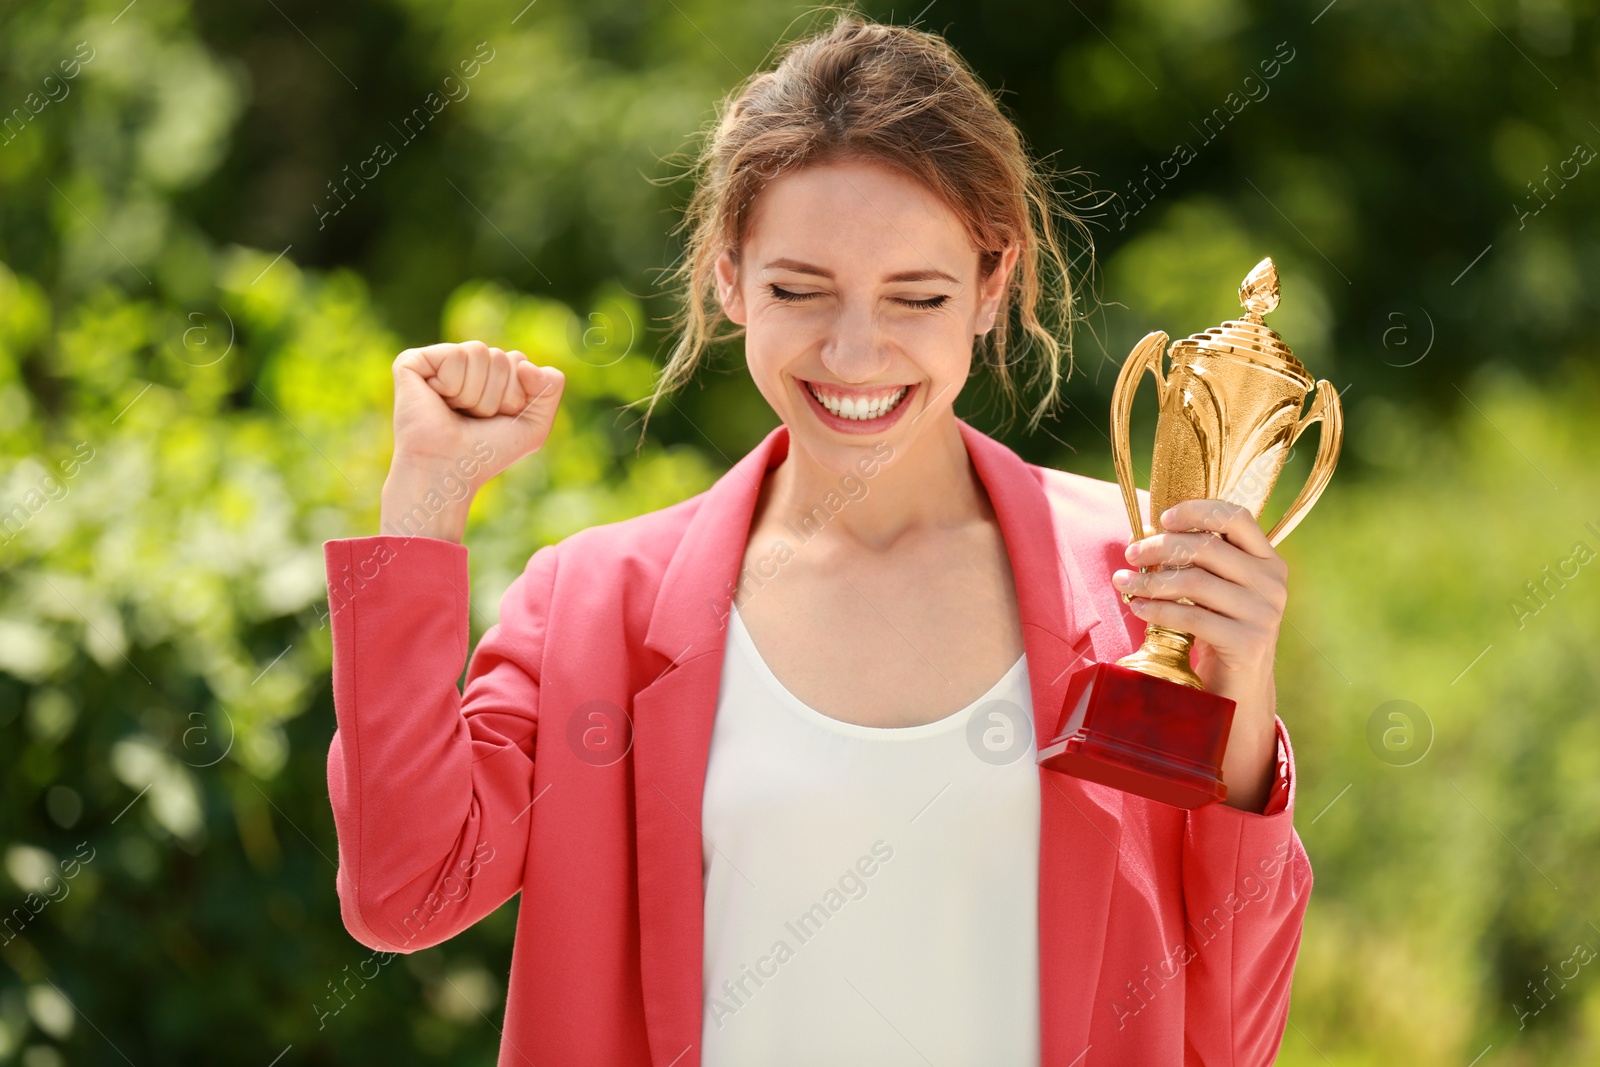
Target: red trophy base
[1143, 735]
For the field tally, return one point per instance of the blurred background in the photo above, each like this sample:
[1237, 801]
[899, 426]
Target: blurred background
[220, 220]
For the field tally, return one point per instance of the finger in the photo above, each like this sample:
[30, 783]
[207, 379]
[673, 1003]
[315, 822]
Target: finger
[1234, 522]
[541, 386]
[452, 376]
[1198, 587]
[442, 366]
[1215, 630]
[511, 397]
[494, 385]
[1208, 549]
[476, 354]
[1267, 580]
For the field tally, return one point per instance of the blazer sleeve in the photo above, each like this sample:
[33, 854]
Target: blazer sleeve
[430, 785]
[1246, 883]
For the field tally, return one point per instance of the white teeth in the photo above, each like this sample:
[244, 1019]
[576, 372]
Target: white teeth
[859, 409]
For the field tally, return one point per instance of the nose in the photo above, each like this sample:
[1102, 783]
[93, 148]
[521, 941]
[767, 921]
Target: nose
[856, 350]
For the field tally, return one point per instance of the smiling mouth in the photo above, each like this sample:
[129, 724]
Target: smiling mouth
[858, 407]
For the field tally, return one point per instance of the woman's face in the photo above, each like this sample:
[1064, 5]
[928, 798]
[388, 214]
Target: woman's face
[859, 291]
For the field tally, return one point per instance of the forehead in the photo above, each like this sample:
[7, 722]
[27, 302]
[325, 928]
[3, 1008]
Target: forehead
[858, 217]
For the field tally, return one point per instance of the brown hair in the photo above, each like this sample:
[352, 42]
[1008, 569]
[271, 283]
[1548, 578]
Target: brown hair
[899, 96]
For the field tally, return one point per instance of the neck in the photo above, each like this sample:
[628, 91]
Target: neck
[928, 483]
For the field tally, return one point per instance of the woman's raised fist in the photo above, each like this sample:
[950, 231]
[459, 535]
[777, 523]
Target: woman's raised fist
[470, 408]
[462, 414]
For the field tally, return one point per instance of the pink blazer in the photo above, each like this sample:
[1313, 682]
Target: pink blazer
[572, 766]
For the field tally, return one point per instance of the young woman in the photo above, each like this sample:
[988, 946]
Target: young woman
[762, 763]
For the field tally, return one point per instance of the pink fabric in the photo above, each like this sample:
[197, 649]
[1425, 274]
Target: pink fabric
[1166, 936]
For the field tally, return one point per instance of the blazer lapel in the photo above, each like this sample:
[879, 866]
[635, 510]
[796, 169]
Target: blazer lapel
[1080, 822]
[672, 721]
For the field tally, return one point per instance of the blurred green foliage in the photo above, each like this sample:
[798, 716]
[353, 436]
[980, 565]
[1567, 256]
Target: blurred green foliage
[194, 394]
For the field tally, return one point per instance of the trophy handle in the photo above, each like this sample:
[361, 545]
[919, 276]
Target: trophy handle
[1325, 408]
[1146, 355]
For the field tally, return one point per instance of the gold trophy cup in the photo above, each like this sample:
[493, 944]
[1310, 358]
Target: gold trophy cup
[1230, 411]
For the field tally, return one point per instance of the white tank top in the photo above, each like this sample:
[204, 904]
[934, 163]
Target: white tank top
[871, 894]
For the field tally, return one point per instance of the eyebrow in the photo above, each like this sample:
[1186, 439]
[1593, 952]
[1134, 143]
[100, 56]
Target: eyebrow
[924, 275]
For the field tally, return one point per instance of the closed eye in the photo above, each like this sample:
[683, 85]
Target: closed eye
[785, 295]
[928, 304]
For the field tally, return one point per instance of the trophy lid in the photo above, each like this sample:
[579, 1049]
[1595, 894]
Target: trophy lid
[1249, 337]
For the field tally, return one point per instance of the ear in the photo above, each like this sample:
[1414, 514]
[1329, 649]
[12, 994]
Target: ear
[994, 288]
[729, 293]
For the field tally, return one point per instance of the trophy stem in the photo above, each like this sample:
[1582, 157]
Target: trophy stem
[1165, 655]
